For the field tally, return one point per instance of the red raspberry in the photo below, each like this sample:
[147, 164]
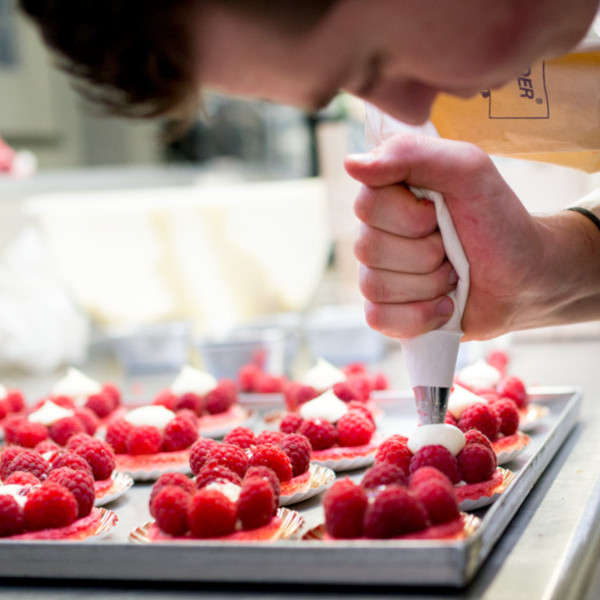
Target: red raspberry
[424, 474]
[272, 456]
[6, 458]
[296, 394]
[380, 382]
[344, 391]
[100, 404]
[22, 478]
[512, 387]
[29, 435]
[482, 417]
[320, 433]
[172, 478]
[297, 447]
[354, 429]
[111, 391]
[49, 506]
[394, 451]
[450, 420]
[63, 401]
[4, 408]
[362, 409]
[170, 509]
[355, 368]
[256, 504]
[290, 423]
[100, 457]
[506, 410]
[361, 385]
[216, 473]
[270, 476]
[11, 427]
[498, 359]
[242, 437]
[80, 484]
[88, 419]
[117, 432]
[383, 474]
[437, 456]
[29, 461]
[247, 376]
[219, 400]
[179, 434]
[47, 446]
[73, 461]
[15, 400]
[265, 383]
[11, 516]
[269, 437]
[189, 415]
[394, 511]
[199, 453]
[190, 401]
[488, 394]
[476, 463]
[167, 399]
[64, 428]
[211, 514]
[78, 439]
[439, 500]
[144, 439]
[344, 505]
[474, 436]
[230, 456]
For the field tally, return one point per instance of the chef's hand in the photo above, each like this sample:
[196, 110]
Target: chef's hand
[522, 268]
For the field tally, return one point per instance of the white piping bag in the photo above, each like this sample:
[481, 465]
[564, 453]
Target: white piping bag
[431, 357]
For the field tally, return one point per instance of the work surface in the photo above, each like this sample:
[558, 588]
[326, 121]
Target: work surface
[549, 550]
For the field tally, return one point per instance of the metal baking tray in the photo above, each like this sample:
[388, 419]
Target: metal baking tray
[364, 562]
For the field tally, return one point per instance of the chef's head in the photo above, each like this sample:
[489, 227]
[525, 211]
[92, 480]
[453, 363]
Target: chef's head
[150, 57]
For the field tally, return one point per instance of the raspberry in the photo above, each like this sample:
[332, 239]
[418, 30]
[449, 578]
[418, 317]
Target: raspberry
[167, 399]
[4, 408]
[394, 451]
[344, 391]
[266, 383]
[11, 516]
[199, 453]
[80, 484]
[49, 506]
[320, 433]
[230, 456]
[242, 437]
[354, 429]
[498, 359]
[362, 386]
[73, 461]
[117, 432]
[476, 463]
[439, 500]
[272, 456]
[355, 368]
[296, 394]
[211, 514]
[219, 400]
[22, 478]
[269, 475]
[290, 423]
[269, 437]
[47, 446]
[482, 417]
[344, 505]
[6, 458]
[88, 419]
[111, 391]
[439, 457]
[450, 420]
[179, 434]
[488, 394]
[11, 427]
[506, 410]
[214, 472]
[362, 409]
[172, 478]
[189, 415]
[29, 461]
[394, 511]
[144, 439]
[170, 509]
[474, 436]
[256, 503]
[191, 401]
[100, 404]
[424, 474]
[78, 439]
[297, 447]
[100, 457]
[383, 474]
[380, 382]
[512, 387]
[63, 401]
[247, 376]
[61, 430]
[29, 435]
[15, 400]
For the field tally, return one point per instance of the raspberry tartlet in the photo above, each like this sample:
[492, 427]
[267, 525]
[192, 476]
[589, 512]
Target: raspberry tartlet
[214, 402]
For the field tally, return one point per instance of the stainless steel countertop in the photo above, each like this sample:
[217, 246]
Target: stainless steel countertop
[549, 551]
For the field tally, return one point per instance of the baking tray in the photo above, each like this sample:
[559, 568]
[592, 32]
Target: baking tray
[364, 562]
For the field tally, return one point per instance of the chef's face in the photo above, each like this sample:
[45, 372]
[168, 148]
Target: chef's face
[397, 54]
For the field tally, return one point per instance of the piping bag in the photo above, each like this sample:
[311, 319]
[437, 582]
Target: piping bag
[431, 357]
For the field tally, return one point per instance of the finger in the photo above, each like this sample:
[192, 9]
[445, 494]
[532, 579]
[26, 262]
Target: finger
[382, 250]
[397, 210]
[408, 320]
[378, 285]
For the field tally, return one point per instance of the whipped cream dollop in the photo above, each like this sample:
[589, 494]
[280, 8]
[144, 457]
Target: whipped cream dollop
[49, 412]
[443, 434]
[460, 398]
[227, 488]
[479, 375]
[323, 375]
[192, 380]
[326, 406]
[3, 392]
[155, 415]
[76, 385]
[18, 492]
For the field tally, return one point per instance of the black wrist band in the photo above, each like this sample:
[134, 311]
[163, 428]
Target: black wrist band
[586, 213]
